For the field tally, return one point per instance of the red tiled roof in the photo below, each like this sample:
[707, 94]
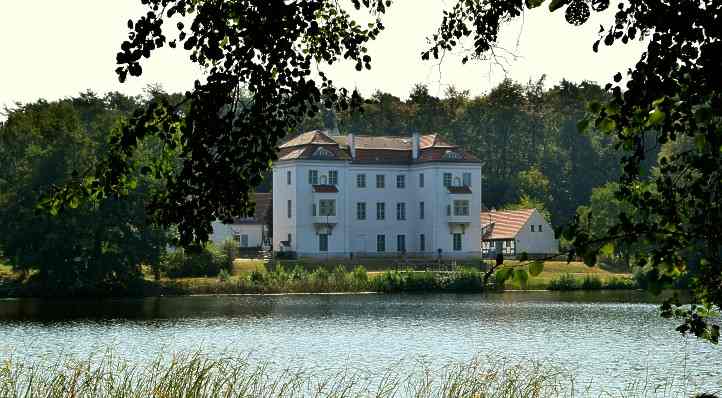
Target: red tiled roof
[463, 189]
[311, 137]
[504, 224]
[373, 149]
[325, 188]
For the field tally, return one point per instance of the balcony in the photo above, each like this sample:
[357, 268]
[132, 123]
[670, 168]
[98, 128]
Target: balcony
[324, 224]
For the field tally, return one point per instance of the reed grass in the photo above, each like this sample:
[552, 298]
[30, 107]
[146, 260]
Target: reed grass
[198, 376]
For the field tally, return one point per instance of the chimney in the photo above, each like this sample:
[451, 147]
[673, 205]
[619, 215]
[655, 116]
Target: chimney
[415, 144]
[351, 145]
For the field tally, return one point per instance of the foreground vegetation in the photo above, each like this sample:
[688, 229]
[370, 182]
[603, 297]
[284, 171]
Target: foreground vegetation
[196, 375]
[253, 277]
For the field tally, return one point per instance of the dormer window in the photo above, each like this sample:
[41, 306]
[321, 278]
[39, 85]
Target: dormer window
[452, 155]
[322, 152]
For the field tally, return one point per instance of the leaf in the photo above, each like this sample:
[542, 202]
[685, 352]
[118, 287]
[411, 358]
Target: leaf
[521, 276]
[502, 275]
[656, 117]
[557, 4]
[583, 125]
[536, 268]
[606, 125]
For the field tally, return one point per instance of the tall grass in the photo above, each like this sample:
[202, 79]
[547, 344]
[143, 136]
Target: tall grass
[198, 376]
[590, 282]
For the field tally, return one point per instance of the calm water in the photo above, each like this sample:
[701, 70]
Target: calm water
[607, 338]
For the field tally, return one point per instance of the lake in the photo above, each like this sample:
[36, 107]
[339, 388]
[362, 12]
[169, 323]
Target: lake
[607, 339]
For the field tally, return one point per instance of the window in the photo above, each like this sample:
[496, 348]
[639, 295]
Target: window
[332, 177]
[457, 242]
[422, 243]
[289, 239]
[466, 177]
[401, 243]
[313, 177]
[324, 180]
[323, 242]
[244, 240]
[361, 210]
[532, 228]
[380, 182]
[421, 210]
[421, 180]
[457, 182]
[288, 178]
[448, 210]
[327, 207]
[380, 243]
[540, 228]
[380, 211]
[401, 211]
[451, 155]
[400, 181]
[447, 179]
[360, 180]
[288, 209]
[461, 207]
[313, 209]
[323, 153]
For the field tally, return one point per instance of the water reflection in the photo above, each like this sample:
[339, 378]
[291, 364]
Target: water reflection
[606, 337]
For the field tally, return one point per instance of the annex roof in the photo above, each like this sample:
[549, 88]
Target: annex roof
[503, 224]
[264, 202]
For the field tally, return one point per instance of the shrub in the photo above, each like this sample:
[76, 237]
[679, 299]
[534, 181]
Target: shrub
[224, 276]
[208, 262]
[620, 283]
[564, 282]
[591, 282]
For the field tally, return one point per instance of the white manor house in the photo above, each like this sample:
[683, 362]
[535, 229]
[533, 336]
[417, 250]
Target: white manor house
[342, 195]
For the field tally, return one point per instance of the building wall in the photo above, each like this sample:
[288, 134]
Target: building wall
[223, 232]
[360, 236]
[537, 242]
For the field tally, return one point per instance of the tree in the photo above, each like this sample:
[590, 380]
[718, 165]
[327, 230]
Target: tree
[270, 48]
[90, 247]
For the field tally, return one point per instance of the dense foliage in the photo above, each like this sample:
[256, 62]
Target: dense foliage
[90, 247]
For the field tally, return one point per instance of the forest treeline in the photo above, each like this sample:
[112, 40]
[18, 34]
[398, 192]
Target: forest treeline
[525, 134]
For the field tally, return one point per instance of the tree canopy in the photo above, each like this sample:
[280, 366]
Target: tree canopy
[269, 48]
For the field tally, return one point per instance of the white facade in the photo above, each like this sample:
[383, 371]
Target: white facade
[245, 235]
[536, 236]
[514, 232]
[455, 231]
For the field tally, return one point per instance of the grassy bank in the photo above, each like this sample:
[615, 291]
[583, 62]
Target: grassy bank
[195, 375]
[252, 277]
[560, 275]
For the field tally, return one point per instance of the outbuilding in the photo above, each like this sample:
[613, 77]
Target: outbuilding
[513, 232]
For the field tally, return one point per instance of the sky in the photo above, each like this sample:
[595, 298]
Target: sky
[57, 49]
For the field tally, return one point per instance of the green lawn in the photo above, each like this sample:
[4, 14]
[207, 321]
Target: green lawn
[555, 269]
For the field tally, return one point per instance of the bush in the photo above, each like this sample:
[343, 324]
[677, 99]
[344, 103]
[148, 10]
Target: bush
[224, 276]
[620, 283]
[591, 282]
[564, 282]
[209, 261]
